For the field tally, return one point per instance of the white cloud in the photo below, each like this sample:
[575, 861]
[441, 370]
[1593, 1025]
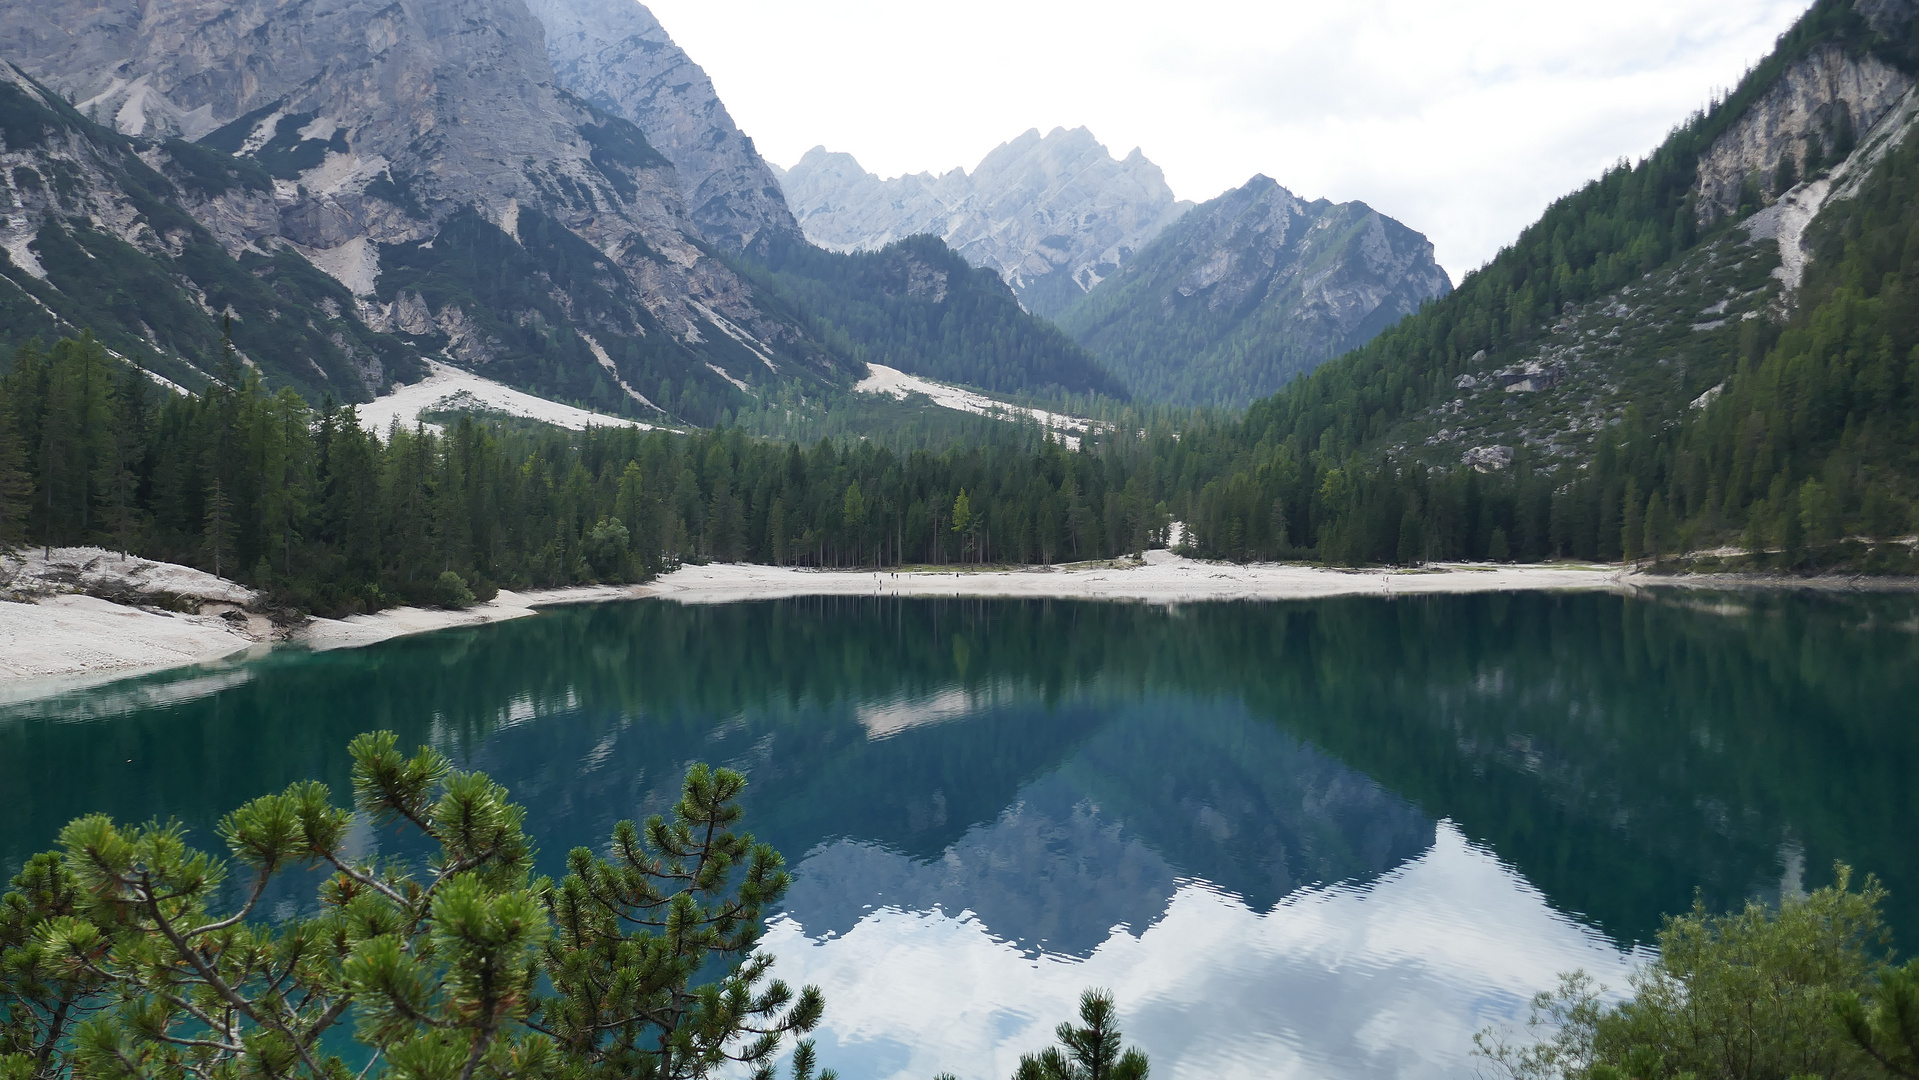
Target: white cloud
[1388, 979]
[1463, 120]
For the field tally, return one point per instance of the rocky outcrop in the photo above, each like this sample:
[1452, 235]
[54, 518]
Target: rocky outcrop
[1814, 112]
[1053, 215]
[350, 131]
[615, 54]
[99, 236]
[1250, 290]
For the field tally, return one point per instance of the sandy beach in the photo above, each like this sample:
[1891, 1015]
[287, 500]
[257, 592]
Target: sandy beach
[357, 630]
[84, 616]
[76, 616]
[81, 616]
[1163, 578]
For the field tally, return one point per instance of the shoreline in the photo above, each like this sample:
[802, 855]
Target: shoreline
[1162, 578]
[70, 641]
[356, 631]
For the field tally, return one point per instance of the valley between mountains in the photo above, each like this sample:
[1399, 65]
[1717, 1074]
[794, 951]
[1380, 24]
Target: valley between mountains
[344, 299]
[1199, 608]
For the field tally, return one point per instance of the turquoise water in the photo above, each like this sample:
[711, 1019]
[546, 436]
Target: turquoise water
[1317, 839]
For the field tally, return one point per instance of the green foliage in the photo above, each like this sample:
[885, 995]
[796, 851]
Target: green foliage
[1091, 1052]
[525, 293]
[1884, 1021]
[635, 930]
[1827, 403]
[919, 307]
[117, 961]
[211, 173]
[333, 519]
[1753, 994]
[154, 304]
[287, 154]
[1245, 337]
[452, 591]
[228, 138]
[29, 112]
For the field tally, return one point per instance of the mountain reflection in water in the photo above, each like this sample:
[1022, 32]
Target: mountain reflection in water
[1327, 838]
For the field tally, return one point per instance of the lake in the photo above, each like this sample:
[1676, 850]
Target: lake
[1328, 838]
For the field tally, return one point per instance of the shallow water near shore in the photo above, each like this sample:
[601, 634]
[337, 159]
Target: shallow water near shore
[1322, 838]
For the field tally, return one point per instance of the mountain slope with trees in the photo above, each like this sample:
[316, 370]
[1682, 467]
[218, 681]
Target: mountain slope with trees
[98, 237]
[1249, 290]
[533, 238]
[1630, 295]
[1806, 439]
[918, 306]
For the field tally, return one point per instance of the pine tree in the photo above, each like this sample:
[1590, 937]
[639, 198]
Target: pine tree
[1091, 1052]
[16, 485]
[218, 534]
[853, 514]
[128, 435]
[1634, 530]
[440, 967]
[75, 440]
[963, 522]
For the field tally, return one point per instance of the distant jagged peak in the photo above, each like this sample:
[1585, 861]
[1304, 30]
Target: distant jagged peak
[820, 158]
[1063, 148]
[1052, 214]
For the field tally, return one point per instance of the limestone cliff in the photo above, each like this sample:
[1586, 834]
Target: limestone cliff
[366, 129]
[1812, 115]
[615, 54]
[97, 236]
[1053, 215]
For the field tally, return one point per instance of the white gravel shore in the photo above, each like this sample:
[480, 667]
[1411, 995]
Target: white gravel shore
[357, 630]
[1163, 578]
[63, 642]
[58, 641]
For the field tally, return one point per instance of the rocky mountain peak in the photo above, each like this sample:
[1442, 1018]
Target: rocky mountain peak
[400, 148]
[1053, 214]
[615, 54]
[1250, 290]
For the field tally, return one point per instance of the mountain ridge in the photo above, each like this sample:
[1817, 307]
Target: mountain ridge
[345, 133]
[1251, 289]
[358, 188]
[616, 55]
[1643, 372]
[1052, 214]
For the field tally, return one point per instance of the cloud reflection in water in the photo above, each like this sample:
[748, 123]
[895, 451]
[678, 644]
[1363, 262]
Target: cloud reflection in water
[1384, 979]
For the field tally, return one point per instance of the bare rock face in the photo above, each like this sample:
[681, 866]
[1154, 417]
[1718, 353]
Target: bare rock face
[615, 54]
[1250, 290]
[93, 216]
[453, 99]
[363, 127]
[1053, 215]
[1817, 109]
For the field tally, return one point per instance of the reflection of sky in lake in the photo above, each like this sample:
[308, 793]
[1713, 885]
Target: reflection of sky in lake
[1389, 978]
[1259, 908]
[1314, 839]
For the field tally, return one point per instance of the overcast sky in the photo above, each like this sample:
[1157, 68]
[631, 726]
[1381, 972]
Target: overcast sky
[1461, 119]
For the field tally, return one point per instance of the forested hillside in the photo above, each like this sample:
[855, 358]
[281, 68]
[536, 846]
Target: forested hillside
[258, 486]
[97, 237]
[1779, 417]
[1808, 438]
[917, 306]
[1248, 291]
[1811, 439]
